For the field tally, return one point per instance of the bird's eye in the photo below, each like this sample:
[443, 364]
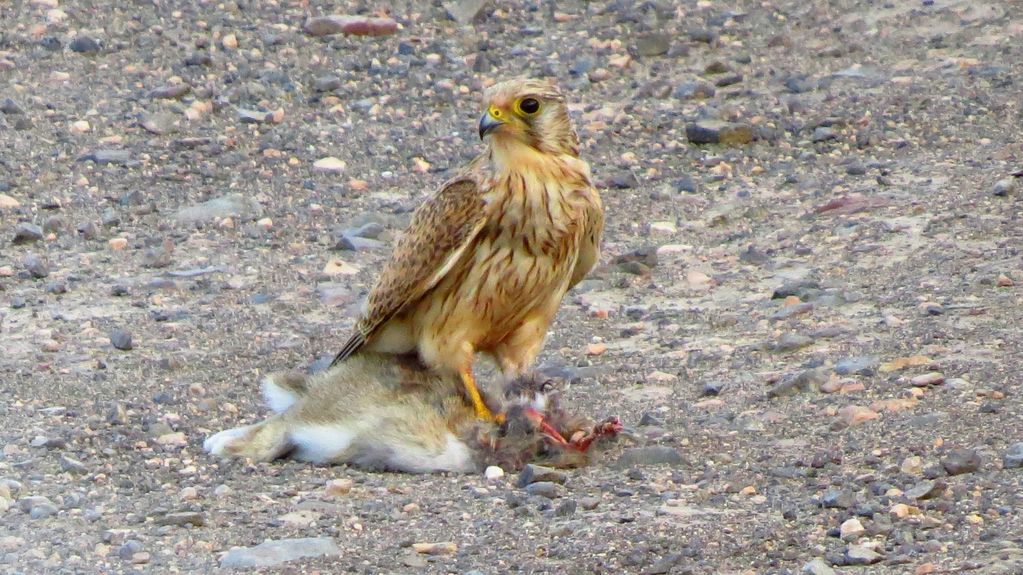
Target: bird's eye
[529, 106]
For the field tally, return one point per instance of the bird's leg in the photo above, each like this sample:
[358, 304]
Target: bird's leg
[473, 391]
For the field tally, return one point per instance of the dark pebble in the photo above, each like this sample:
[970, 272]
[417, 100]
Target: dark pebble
[84, 45]
[121, 339]
[36, 266]
[536, 473]
[718, 132]
[652, 455]
[27, 232]
[960, 461]
[1013, 457]
[838, 499]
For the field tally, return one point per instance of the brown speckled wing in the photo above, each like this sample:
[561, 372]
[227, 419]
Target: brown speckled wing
[589, 246]
[440, 232]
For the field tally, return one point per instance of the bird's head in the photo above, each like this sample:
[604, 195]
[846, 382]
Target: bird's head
[528, 112]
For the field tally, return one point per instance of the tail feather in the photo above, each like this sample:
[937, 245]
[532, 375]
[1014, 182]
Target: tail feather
[353, 345]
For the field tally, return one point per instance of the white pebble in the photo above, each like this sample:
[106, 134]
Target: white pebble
[493, 472]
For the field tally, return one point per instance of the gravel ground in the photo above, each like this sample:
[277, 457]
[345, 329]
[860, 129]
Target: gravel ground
[809, 301]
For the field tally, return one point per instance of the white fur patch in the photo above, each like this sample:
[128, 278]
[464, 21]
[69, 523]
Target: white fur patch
[218, 443]
[322, 443]
[540, 402]
[277, 398]
[456, 457]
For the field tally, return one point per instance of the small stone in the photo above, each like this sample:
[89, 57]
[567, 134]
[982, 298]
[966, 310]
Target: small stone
[1004, 187]
[928, 379]
[926, 490]
[851, 530]
[121, 339]
[43, 511]
[301, 519]
[861, 365]
[589, 503]
[141, 558]
[253, 116]
[353, 25]
[84, 45]
[72, 466]
[189, 494]
[160, 123]
[8, 203]
[182, 518]
[329, 165]
[10, 107]
[566, 508]
[664, 565]
[28, 503]
[697, 89]
[854, 415]
[493, 473]
[171, 91]
[792, 342]
[1013, 457]
[276, 552]
[339, 487]
[718, 132]
[107, 156]
[793, 384]
[818, 566]
[838, 499]
[89, 230]
[666, 228]
[230, 205]
[913, 465]
[650, 455]
[823, 134]
[229, 41]
[173, 439]
[466, 12]
[26, 232]
[80, 126]
[445, 548]
[327, 83]
[54, 224]
[652, 44]
[860, 555]
[547, 489]
[159, 256]
[129, 548]
[704, 35]
[533, 473]
[36, 266]
[960, 461]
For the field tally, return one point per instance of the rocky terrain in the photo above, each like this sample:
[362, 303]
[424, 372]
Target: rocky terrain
[808, 306]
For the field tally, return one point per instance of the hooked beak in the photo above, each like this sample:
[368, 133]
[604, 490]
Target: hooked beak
[488, 123]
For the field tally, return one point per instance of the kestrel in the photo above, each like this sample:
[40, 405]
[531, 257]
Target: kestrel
[486, 261]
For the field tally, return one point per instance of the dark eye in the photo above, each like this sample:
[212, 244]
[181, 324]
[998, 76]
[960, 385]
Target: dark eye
[529, 106]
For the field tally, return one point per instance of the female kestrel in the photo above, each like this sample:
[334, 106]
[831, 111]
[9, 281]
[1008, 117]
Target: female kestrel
[486, 261]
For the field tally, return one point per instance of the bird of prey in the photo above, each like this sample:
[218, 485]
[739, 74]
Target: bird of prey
[486, 261]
